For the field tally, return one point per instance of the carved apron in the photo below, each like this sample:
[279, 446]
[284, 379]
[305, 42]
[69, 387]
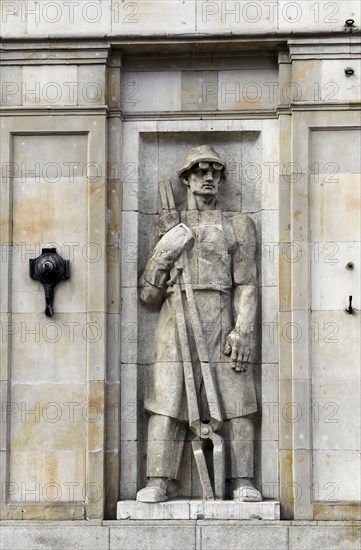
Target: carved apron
[211, 266]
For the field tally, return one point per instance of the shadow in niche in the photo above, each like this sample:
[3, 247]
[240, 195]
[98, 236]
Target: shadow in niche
[160, 157]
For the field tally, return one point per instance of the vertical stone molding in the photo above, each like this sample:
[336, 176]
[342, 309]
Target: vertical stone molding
[54, 194]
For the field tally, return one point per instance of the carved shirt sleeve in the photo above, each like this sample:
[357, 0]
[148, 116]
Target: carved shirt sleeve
[166, 252]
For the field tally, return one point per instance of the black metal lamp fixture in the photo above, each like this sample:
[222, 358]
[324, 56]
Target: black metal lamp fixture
[49, 269]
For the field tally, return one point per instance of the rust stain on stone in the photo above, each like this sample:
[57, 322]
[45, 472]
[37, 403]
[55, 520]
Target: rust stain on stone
[52, 475]
[36, 215]
[95, 188]
[287, 462]
[302, 70]
[285, 283]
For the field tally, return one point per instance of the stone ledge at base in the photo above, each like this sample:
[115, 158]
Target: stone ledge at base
[180, 535]
[180, 509]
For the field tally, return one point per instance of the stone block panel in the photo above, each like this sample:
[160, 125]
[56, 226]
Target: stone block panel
[52, 85]
[332, 282]
[307, 537]
[322, 16]
[155, 17]
[324, 80]
[44, 85]
[38, 536]
[199, 90]
[336, 411]
[236, 17]
[143, 91]
[336, 85]
[338, 146]
[250, 89]
[56, 346]
[175, 17]
[43, 19]
[332, 332]
[147, 536]
[239, 537]
[332, 482]
[334, 201]
[49, 208]
[47, 477]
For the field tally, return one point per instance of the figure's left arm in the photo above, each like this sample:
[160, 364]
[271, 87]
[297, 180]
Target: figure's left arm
[241, 342]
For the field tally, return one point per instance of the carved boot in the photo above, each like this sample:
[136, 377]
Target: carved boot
[154, 491]
[244, 491]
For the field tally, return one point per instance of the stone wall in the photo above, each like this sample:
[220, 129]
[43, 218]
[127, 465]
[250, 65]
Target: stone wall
[92, 118]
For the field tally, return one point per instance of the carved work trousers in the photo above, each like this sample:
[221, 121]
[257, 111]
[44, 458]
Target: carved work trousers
[166, 441]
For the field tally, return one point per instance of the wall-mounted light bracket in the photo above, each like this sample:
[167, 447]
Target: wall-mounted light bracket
[350, 309]
[350, 26]
[49, 269]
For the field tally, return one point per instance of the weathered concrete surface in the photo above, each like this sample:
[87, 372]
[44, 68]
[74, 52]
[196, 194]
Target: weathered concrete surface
[179, 535]
[198, 509]
[174, 17]
[55, 535]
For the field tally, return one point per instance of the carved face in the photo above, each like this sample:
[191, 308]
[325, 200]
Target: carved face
[204, 179]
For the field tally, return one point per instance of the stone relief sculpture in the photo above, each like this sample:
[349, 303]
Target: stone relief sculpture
[202, 277]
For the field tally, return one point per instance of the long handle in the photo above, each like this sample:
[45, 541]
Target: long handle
[193, 410]
[166, 196]
[207, 375]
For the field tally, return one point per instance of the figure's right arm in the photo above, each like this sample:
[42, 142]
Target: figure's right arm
[153, 283]
[156, 274]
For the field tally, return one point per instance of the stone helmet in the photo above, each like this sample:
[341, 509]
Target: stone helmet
[203, 153]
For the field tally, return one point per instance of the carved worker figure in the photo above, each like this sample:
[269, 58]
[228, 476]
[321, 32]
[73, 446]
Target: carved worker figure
[202, 276]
